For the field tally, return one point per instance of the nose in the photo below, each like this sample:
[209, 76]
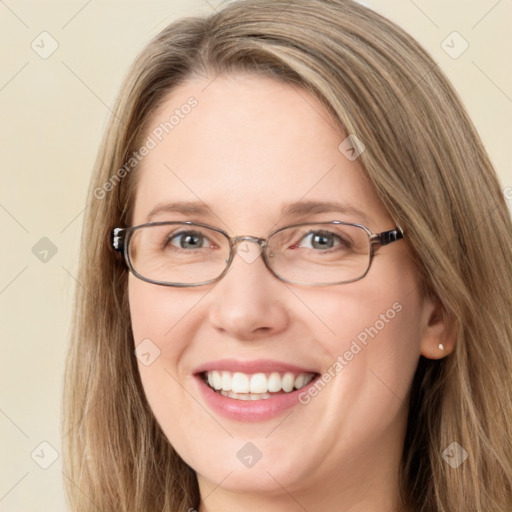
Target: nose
[248, 302]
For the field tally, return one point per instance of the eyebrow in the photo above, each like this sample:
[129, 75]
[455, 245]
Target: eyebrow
[183, 207]
[297, 209]
[302, 208]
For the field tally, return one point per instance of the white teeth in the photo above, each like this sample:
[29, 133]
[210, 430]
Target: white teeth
[245, 396]
[288, 382]
[255, 386]
[240, 383]
[214, 379]
[226, 381]
[258, 383]
[299, 381]
[274, 382]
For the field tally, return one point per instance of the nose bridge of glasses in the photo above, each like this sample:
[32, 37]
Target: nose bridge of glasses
[248, 252]
[248, 238]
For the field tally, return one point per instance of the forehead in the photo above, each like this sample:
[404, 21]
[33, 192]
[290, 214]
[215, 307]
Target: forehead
[245, 146]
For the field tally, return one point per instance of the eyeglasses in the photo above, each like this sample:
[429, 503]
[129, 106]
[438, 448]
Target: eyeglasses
[194, 254]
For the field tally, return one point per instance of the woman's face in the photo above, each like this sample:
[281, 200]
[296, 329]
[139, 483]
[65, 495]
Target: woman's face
[248, 148]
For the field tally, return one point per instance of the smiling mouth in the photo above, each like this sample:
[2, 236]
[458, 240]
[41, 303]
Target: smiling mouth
[256, 386]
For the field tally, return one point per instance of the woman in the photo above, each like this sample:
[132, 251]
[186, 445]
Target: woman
[297, 282]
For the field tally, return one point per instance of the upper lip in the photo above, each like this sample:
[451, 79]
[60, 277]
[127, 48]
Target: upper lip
[250, 367]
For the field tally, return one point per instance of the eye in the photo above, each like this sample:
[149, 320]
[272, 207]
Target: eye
[188, 240]
[323, 240]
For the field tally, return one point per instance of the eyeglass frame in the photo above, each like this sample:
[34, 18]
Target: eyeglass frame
[376, 240]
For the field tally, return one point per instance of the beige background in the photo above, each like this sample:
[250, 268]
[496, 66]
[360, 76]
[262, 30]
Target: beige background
[53, 112]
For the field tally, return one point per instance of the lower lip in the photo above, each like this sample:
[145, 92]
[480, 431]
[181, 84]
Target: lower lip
[249, 410]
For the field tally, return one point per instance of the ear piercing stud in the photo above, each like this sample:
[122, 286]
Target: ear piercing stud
[441, 346]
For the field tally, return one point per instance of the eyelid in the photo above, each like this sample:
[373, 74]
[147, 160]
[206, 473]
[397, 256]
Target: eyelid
[195, 230]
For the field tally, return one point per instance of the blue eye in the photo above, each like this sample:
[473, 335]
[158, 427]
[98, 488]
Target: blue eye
[188, 240]
[324, 240]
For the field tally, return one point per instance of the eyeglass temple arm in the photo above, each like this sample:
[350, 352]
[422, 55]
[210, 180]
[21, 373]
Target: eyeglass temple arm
[388, 237]
[117, 239]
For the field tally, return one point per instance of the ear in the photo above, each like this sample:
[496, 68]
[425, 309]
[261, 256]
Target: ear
[438, 330]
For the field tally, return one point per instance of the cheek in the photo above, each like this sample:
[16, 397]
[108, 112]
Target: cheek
[364, 311]
[163, 322]
[371, 345]
[145, 311]
[156, 312]
[371, 336]
[159, 316]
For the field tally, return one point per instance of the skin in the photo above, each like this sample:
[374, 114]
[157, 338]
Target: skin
[251, 145]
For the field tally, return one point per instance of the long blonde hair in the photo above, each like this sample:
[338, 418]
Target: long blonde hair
[431, 171]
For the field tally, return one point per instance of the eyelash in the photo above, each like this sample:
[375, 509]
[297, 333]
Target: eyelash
[341, 241]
